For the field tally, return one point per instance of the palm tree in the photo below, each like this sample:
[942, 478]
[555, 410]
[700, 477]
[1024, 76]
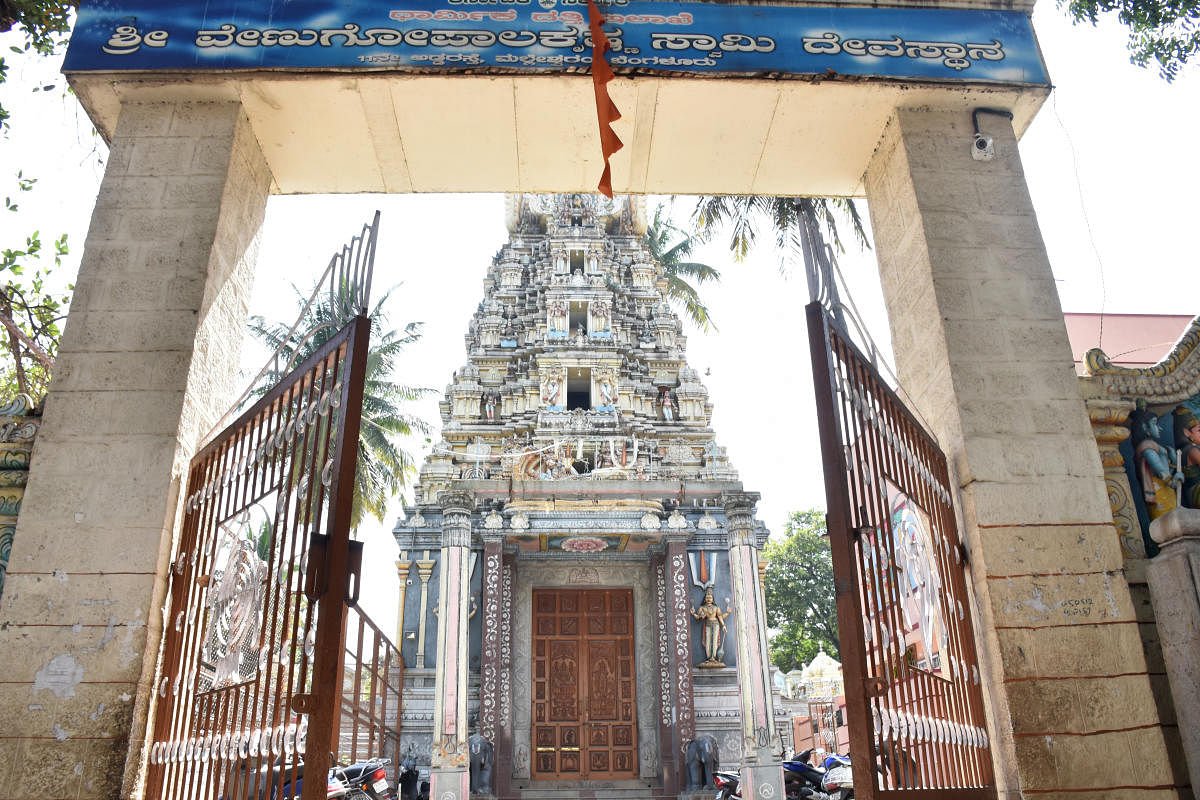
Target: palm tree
[743, 214]
[670, 244]
[384, 466]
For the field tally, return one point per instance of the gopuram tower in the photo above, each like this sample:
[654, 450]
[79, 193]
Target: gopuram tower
[580, 570]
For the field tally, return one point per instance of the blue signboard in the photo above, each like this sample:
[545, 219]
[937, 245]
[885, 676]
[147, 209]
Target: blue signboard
[552, 35]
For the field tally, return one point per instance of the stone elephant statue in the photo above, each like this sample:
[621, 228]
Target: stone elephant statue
[702, 760]
[482, 761]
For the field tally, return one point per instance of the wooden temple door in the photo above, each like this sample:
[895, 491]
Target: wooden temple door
[584, 707]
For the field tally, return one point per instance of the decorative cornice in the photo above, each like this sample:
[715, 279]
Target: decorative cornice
[1175, 378]
[457, 502]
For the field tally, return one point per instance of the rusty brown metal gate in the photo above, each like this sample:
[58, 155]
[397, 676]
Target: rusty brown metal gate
[913, 697]
[251, 673]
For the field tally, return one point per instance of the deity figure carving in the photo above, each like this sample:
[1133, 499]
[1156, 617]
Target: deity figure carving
[606, 386]
[490, 400]
[1187, 439]
[556, 313]
[601, 314]
[1155, 463]
[552, 389]
[668, 405]
[712, 631]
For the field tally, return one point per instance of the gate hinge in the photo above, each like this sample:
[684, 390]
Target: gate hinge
[875, 687]
[962, 552]
[303, 704]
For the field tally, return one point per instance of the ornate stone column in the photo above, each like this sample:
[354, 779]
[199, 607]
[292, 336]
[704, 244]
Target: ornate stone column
[491, 664]
[403, 566]
[677, 721]
[1108, 418]
[762, 776]
[425, 572]
[448, 763]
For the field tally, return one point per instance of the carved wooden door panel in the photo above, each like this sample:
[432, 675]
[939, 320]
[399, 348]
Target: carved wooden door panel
[584, 707]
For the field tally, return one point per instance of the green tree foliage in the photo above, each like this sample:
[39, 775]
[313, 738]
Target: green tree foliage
[30, 313]
[799, 592]
[44, 24]
[743, 217]
[1164, 31]
[670, 245]
[384, 465]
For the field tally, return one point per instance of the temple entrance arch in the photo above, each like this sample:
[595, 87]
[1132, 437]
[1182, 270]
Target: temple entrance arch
[971, 296]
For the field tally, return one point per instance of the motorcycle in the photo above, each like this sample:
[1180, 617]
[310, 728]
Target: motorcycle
[838, 780]
[728, 785]
[802, 780]
[284, 779]
[365, 779]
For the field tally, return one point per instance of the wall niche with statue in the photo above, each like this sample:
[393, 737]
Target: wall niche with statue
[1147, 425]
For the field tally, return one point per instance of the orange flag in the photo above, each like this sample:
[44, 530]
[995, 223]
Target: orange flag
[606, 111]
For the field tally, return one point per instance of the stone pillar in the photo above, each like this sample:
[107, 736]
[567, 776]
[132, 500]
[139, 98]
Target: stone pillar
[491, 663]
[448, 768]
[425, 572]
[678, 717]
[147, 364]
[403, 567]
[504, 748]
[981, 349]
[1109, 419]
[1174, 578]
[761, 774]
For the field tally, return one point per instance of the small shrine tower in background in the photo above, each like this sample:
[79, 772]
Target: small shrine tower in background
[580, 570]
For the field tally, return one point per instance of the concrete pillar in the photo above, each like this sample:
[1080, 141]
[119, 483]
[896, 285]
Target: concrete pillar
[762, 775]
[1174, 578]
[982, 352]
[449, 779]
[147, 365]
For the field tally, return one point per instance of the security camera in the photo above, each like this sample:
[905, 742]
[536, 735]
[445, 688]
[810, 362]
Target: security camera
[983, 148]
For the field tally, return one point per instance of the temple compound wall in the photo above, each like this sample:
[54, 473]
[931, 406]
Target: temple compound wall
[149, 355]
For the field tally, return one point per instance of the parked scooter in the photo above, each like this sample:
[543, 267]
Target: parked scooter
[802, 780]
[838, 780]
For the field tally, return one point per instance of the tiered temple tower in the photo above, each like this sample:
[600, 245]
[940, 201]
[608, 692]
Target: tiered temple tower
[580, 569]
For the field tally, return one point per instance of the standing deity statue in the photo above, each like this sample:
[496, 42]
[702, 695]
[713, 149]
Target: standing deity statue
[608, 392]
[551, 389]
[712, 630]
[490, 399]
[1155, 463]
[668, 405]
[1187, 439]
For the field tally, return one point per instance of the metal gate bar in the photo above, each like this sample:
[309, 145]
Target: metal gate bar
[913, 697]
[373, 679]
[258, 586]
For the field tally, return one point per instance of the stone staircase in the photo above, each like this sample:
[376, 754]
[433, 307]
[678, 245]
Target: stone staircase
[592, 790]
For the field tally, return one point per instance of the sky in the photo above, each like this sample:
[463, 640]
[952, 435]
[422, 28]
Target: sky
[1109, 160]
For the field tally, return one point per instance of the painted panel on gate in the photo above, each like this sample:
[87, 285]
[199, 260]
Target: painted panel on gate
[552, 36]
